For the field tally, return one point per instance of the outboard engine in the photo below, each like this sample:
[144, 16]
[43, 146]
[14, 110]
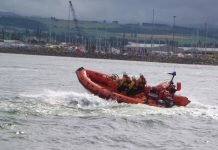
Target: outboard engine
[169, 102]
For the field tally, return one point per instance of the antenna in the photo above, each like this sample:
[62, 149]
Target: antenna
[174, 22]
[206, 31]
[173, 75]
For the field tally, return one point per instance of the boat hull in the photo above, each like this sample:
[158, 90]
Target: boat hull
[104, 86]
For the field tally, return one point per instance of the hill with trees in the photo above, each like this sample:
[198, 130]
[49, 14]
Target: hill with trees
[61, 30]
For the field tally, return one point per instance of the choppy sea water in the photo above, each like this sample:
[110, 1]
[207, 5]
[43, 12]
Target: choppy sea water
[43, 106]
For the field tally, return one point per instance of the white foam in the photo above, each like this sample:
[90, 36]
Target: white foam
[73, 103]
[69, 98]
[194, 109]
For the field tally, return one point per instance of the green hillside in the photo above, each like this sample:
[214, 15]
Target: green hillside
[61, 29]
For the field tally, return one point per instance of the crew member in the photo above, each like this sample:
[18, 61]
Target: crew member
[123, 83]
[132, 87]
[141, 82]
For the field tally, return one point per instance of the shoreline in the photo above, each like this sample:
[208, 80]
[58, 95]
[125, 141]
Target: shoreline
[147, 58]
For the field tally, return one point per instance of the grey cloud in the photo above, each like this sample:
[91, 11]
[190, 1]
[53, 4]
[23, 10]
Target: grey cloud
[187, 11]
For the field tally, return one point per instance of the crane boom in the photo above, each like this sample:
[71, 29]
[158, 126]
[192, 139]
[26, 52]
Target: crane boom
[75, 19]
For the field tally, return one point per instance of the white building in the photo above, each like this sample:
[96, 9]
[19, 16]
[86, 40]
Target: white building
[142, 49]
[199, 49]
[12, 44]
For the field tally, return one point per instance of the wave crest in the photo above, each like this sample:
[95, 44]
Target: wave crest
[66, 103]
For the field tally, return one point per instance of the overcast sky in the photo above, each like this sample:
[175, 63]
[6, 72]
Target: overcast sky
[127, 11]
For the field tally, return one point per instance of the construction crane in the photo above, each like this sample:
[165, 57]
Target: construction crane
[76, 22]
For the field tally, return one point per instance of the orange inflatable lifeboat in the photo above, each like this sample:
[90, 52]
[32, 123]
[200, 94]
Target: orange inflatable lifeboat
[105, 86]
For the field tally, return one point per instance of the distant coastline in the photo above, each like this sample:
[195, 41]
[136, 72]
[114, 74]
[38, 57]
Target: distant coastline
[147, 58]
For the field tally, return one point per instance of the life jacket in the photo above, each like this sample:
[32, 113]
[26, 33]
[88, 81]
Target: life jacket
[125, 81]
[132, 85]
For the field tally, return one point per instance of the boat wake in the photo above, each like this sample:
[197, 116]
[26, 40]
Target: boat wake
[67, 99]
[60, 103]
[194, 109]
[68, 103]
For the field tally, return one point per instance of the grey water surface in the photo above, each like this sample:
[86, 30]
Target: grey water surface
[44, 107]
